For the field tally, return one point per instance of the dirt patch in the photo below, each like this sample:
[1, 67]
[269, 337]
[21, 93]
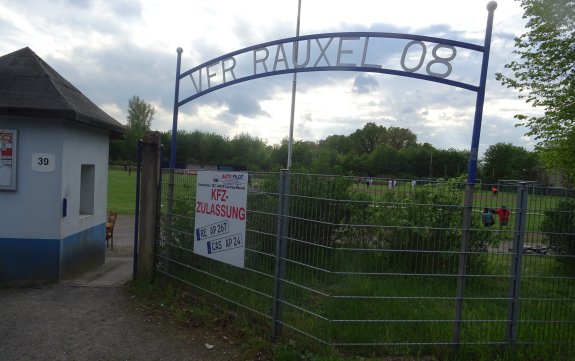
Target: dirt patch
[63, 322]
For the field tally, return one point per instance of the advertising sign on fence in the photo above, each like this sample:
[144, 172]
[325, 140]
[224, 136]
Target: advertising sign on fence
[8, 140]
[220, 231]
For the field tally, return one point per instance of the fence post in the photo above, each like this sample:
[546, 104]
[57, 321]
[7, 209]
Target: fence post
[137, 209]
[281, 252]
[463, 250]
[148, 205]
[517, 257]
[167, 226]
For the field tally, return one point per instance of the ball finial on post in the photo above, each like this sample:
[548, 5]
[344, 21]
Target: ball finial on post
[492, 5]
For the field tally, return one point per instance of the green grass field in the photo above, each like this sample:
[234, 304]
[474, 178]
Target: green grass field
[121, 190]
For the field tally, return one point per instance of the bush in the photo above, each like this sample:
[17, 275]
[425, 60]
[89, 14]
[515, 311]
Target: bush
[559, 228]
[420, 230]
[317, 207]
[181, 230]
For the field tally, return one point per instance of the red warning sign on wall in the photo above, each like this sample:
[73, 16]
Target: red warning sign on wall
[7, 162]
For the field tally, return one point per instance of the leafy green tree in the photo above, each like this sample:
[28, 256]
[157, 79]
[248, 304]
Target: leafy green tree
[188, 146]
[213, 149]
[385, 161]
[545, 78]
[417, 159]
[365, 140]
[507, 161]
[357, 164]
[198, 147]
[140, 116]
[560, 154]
[139, 121]
[337, 143]
[449, 163]
[302, 154]
[326, 161]
[278, 155]
[249, 151]
[399, 138]
[118, 152]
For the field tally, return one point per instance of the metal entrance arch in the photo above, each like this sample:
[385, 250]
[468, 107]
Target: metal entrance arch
[223, 71]
[346, 40]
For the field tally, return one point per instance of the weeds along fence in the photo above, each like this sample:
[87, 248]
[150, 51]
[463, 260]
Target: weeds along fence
[375, 267]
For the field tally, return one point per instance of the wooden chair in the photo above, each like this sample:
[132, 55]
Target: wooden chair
[110, 229]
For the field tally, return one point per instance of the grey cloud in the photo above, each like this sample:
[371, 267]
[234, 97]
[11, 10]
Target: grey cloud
[113, 75]
[84, 4]
[131, 8]
[302, 130]
[364, 83]
[440, 31]
[123, 8]
[374, 27]
[243, 103]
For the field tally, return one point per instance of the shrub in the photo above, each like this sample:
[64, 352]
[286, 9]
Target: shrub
[317, 207]
[180, 230]
[559, 228]
[420, 230]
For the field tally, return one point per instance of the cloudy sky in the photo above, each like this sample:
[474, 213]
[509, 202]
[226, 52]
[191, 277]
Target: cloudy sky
[114, 49]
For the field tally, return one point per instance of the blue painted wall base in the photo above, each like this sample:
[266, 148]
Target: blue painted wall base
[29, 259]
[83, 251]
[52, 259]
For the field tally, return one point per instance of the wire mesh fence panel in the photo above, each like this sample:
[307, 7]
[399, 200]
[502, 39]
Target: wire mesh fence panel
[250, 287]
[372, 266]
[548, 273]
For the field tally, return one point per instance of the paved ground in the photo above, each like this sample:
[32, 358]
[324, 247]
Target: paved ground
[92, 317]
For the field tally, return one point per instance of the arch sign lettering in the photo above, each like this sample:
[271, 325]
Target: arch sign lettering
[414, 56]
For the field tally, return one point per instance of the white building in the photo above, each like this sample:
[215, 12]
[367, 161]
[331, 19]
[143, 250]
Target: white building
[53, 172]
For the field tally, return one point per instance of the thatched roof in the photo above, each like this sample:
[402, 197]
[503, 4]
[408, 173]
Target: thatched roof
[29, 87]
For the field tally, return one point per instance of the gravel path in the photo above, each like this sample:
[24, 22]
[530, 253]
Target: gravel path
[62, 322]
[74, 320]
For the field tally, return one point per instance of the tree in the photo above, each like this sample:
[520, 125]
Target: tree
[418, 159]
[449, 163]
[337, 143]
[366, 139]
[545, 78]
[249, 151]
[385, 161]
[326, 161]
[302, 154]
[507, 161]
[399, 138]
[140, 116]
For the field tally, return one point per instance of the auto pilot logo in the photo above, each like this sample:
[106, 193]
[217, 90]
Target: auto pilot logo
[229, 180]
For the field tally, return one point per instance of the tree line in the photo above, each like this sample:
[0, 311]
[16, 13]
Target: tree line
[372, 151]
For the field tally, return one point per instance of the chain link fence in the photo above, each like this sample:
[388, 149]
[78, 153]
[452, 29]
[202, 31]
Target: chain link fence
[376, 266]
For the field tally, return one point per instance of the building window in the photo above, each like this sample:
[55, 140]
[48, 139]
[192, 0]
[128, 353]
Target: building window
[87, 180]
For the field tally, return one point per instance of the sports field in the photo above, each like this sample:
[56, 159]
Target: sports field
[121, 190]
